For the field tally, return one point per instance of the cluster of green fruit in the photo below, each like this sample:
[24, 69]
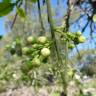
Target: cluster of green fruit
[75, 39]
[36, 50]
[34, 53]
[72, 38]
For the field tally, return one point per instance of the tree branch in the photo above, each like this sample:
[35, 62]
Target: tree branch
[40, 18]
[20, 3]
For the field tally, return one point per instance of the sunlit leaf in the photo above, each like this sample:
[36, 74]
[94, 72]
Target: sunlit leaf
[6, 1]
[21, 12]
[6, 8]
[34, 1]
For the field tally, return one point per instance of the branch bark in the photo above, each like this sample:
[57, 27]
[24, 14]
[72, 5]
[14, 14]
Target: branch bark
[50, 20]
[20, 3]
[60, 61]
[66, 29]
[40, 18]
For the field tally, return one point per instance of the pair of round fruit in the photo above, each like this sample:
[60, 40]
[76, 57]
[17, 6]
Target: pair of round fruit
[32, 40]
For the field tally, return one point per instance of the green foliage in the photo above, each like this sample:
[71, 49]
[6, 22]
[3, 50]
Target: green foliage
[36, 66]
[70, 37]
[6, 8]
[35, 54]
[21, 12]
[6, 1]
[33, 1]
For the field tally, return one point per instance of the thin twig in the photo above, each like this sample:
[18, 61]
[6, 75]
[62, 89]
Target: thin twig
[78, 52]
[40, 18]
[85, 27]
[14, 20]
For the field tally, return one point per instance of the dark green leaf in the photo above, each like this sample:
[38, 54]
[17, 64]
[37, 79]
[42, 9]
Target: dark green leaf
[6, 1]
[33, 1]
[6, 8]
[21, 12]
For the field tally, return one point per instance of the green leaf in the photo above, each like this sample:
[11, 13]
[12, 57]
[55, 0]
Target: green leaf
[33, 1]
[6, 1]
[6, 8]
[21, 12]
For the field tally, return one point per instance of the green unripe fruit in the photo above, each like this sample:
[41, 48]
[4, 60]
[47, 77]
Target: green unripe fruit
[69, 34]
[45, 52]
[94, 18]
[42, 39]
[78, 33]
[25, 50]
[81, 39]
[34, 45]
[36, 62]
[71, 46]
[7, 46]
[31, 40]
